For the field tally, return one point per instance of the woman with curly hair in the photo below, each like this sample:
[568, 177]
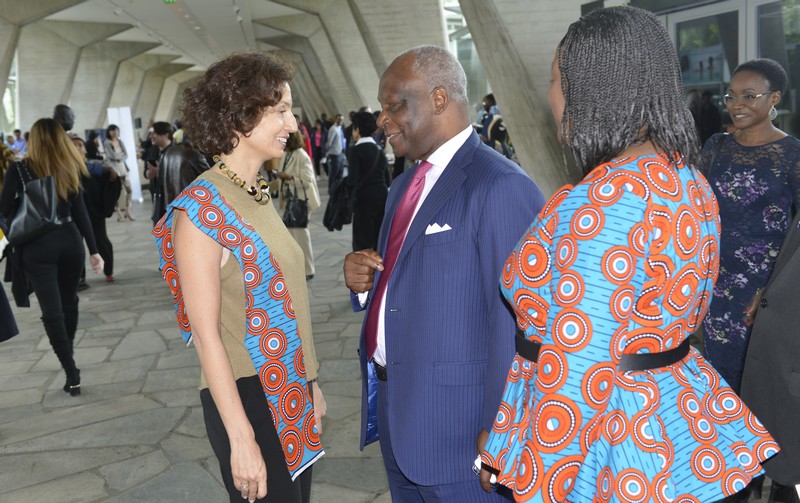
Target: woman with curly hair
[606, 400]
[238, 282]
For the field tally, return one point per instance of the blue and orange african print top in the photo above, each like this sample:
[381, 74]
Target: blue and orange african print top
[271, 338]
[622, 263]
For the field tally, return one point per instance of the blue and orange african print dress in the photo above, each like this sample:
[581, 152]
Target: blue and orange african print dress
[624, 262]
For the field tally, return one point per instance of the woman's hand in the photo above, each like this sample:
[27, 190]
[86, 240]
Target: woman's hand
[283, 176]
[97, 263]
[248, 469]
[320, 407]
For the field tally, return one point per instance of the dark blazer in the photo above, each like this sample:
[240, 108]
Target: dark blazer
[771, 380]
[449, 334]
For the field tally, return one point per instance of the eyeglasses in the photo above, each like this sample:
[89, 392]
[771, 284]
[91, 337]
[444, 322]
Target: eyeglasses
[747, 99]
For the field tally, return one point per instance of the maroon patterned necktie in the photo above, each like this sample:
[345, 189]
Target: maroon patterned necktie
[397, 234]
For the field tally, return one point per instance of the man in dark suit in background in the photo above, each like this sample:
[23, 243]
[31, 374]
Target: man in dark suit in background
[771, 378]
[438, 339]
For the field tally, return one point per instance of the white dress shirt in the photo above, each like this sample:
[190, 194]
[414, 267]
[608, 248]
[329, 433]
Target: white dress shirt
[440, 158]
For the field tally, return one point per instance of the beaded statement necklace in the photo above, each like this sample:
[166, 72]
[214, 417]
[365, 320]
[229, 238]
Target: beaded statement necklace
[260, 194]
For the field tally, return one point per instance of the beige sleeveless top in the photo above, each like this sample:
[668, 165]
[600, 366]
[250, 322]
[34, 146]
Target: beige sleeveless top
[289, 257]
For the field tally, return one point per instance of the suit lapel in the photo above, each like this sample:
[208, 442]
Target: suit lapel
[395, 194]
[448, 184]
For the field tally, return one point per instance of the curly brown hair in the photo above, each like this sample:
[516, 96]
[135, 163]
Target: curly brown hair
[230, 98]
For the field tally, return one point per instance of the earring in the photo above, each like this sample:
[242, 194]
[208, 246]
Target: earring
[773, 114]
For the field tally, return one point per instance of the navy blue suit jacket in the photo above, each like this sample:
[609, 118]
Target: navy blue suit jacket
[449, 333]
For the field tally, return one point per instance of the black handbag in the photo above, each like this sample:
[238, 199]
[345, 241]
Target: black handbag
[296, 213]
[37, 209]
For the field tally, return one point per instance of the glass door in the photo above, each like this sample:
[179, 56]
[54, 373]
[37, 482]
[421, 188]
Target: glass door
[775, 26]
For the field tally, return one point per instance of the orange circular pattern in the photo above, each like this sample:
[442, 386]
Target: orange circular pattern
[229, 236]
[557, 423]
[277, 287]
[566, 252]
[587, 223]
[552, 369]
[273, 344]
[258, 324]
[570, 289]
[534, 263]
[571, 330]
[293, 401]
[292, 446]
[633, 486]
[708, 464]
[273, 376]
[561, 479]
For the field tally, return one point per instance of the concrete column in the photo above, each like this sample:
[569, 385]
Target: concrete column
[22, 12]
[130, 81]
[9, 37]
[315, 78]
[43, 60]
[351, 52]
[310, 27]
[151, 91]
[13, 16]
[170, 98]
[304, 91]
[392, 27]
[176, 105]
[517, 62]
[95, 78]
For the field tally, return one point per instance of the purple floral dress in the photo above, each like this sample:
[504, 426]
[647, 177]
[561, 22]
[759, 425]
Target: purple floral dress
[758, 191]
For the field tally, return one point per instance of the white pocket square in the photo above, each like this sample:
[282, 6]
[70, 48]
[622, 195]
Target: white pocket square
[436, 228]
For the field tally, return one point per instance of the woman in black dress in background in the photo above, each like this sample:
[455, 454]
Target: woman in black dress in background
[368, 178]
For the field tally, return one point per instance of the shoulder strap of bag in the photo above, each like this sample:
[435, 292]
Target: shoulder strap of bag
[717, 149]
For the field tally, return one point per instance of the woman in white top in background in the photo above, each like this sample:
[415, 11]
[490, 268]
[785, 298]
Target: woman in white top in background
[296, 166]
[116, 154]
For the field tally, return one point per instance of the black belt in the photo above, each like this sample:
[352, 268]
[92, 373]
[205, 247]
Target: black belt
[529, 350]
[526, 348]
[650, 361]
[380, 370]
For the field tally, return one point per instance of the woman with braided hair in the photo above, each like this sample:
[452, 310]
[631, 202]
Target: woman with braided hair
[605, 399]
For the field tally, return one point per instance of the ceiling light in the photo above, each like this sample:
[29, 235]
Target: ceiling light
[196, 27]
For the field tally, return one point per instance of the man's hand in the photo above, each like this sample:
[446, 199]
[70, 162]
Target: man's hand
[485, 475]
[359, 270]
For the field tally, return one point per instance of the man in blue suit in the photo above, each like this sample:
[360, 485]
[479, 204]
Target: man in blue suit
[438, 339]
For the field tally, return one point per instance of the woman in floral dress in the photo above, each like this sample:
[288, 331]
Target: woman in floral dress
[605, 400]
[756, 177]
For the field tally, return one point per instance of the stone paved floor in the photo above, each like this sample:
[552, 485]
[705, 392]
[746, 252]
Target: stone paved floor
[136, 433]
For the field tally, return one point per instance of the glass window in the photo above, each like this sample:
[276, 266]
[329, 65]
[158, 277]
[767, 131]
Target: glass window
[707, 53]
[779, 39]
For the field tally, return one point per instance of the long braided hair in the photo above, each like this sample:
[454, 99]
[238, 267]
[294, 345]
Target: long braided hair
[622, 86]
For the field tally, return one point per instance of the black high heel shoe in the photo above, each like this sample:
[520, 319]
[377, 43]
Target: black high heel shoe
[73, 384]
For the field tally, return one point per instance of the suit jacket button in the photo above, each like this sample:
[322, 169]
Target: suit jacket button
[763, 303]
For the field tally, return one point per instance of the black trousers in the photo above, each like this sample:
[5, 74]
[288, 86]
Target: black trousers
[53, 264]
[280, 488]
[104, 246]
